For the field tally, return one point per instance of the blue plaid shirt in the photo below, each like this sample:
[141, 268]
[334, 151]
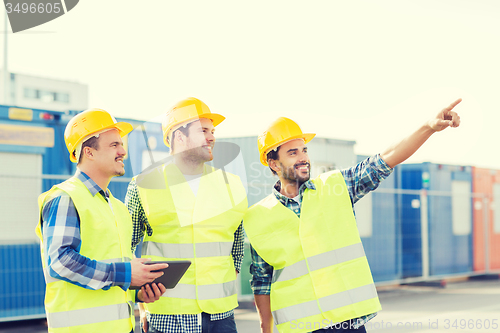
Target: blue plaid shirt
[183, 323]
[62, 243]
[360, 180]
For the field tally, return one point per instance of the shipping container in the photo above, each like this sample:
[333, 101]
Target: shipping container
[448, 201]
[22, 286]
[486, 241]
[377, 220]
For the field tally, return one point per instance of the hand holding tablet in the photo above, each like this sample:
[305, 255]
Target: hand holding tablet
[171, 274]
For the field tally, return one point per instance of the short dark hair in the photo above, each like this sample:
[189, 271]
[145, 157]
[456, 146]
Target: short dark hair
[273, 155]
[93, 142]
[184, 130]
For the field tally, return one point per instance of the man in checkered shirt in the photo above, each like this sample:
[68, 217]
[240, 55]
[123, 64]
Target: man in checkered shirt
[309, 271]
[190, 211]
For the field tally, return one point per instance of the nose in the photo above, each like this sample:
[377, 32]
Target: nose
[122, 151]
[303, 157]
[210, 137]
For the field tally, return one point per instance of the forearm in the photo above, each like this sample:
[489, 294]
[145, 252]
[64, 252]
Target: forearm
[263, 304]
[67, 264]
[398, 153]
[141, 307]
[62, 241]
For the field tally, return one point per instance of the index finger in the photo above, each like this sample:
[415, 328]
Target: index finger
[157, 267]
[452, 105]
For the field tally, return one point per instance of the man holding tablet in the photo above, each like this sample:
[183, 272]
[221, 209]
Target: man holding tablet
[191, 211]
[84, 233]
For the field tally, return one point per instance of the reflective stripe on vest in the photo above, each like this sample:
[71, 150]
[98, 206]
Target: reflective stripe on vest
[186, 251]
[327, 303]
[90, 316]
[205, 292]
[319, 261]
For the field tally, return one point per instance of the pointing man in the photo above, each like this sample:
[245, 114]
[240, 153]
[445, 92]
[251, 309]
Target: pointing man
[308, 264]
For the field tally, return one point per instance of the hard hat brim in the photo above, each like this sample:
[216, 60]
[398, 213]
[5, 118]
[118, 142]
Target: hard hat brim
[122, 127]
[306, 136]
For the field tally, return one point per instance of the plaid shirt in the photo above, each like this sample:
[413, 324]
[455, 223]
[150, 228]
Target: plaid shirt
[62, 243]
[360, 180]
[183, 323]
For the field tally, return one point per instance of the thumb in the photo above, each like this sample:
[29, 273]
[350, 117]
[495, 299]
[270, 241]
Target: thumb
[441, 124]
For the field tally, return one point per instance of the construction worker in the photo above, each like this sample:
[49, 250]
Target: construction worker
[309, 270]
[191, 211]
[85, 234]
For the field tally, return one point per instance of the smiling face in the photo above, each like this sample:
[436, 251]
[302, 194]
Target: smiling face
[199, 143]
[293, 165]
[110, 154]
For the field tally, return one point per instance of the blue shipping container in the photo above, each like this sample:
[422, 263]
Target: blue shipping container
[376, 216]
[22, 290]
[449, 200]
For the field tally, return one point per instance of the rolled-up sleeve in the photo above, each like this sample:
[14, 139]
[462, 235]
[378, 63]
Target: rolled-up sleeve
[262, 274]
[365, 177]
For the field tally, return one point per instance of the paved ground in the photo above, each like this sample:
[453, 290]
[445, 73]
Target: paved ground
[465, 307]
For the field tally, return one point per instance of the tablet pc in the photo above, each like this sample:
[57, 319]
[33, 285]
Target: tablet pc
[172, 274]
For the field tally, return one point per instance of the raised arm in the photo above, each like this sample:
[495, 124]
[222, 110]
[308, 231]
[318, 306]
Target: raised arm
[408, 146]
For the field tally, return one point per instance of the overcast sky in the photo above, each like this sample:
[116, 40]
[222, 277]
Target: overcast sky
[369, 71]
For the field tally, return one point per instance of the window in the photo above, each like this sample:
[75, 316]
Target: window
[31, 93]
[62, 97]
[461, 202]
[46, 96]
[496, 208]
[363, 209]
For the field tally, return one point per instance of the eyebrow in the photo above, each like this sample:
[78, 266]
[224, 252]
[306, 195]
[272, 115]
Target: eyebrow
[295, 149]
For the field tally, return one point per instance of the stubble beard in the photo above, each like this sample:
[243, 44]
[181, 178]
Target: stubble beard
[198, 155]
[290, 174]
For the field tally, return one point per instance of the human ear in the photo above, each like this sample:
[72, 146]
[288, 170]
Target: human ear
[273, 165]
[87, 151]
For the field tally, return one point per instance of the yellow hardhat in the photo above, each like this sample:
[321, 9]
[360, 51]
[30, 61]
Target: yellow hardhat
[188, 109]
[89, 122]
[279, 132]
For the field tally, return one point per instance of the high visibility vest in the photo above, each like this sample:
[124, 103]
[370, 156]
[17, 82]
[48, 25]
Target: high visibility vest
[321, 275]
[106, 234]
[200, 229]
